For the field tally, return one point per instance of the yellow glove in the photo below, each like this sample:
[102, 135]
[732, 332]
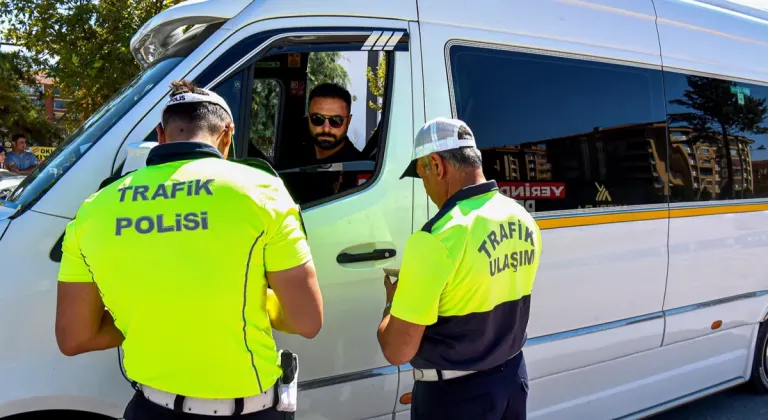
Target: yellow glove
[275, 313]
[273, 307]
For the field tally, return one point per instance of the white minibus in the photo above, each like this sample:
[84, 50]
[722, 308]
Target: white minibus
[634, 132]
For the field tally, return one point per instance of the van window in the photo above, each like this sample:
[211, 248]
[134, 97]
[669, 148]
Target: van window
[316, 160]
[269, 96]
[67, 154]
[719, 150]
[323, 149]
[560, 133]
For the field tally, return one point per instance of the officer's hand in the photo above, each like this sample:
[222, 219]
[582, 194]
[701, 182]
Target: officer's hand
[390, 287]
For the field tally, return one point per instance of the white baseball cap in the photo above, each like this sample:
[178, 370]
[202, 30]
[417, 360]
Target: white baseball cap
[205, 96]
[439, 135]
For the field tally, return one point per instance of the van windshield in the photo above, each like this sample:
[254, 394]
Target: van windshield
[68, 153]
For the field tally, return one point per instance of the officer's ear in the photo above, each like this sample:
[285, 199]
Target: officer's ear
[161, 134]
[437, 165]
[226, 140]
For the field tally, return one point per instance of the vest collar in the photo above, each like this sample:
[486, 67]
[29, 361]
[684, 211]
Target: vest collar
[461, 195]
[181, 150]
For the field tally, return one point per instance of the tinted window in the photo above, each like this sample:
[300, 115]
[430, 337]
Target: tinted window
[708, 117]
[561, 133]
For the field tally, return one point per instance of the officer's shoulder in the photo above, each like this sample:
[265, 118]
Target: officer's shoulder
[516, 209]
[254, 168]
[251, 178]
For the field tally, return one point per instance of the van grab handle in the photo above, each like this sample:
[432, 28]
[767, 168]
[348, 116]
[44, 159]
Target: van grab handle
[375, 255]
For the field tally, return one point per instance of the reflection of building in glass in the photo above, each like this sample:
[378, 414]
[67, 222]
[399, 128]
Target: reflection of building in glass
[632, 154]
[631, 162]
[760, 177]
[516, 163]
[605, 167]
[699, 166]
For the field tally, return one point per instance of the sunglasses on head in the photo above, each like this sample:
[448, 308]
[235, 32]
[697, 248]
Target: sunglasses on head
[318, 120]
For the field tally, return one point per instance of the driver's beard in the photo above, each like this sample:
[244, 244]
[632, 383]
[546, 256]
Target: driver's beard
[326, 144]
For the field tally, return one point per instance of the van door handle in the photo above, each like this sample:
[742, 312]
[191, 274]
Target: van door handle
[375, 255]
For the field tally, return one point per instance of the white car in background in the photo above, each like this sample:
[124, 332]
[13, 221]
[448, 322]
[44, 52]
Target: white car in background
[8, 182]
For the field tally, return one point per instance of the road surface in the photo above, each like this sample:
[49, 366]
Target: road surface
[738, 403]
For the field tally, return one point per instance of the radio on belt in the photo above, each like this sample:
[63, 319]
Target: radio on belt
[287, 389]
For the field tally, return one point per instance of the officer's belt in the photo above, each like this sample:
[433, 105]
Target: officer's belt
[210, 406]
[431, 375]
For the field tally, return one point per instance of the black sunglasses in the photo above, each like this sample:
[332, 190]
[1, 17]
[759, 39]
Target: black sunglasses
[318, 120]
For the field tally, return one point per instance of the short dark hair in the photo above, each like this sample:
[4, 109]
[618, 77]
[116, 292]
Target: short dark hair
[18, 136]
[331, 90]
[205, 116]
[463, 157]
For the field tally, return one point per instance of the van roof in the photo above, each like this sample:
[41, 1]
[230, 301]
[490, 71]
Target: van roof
[165, 28]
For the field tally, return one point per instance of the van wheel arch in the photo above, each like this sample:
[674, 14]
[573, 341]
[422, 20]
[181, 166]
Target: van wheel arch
[758, 379]
[58, 414]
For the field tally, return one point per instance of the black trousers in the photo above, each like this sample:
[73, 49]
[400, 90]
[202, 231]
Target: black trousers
[499, 393]
[141, 408]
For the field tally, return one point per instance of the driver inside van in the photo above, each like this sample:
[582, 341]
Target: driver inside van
[328, 120]
[330, 108]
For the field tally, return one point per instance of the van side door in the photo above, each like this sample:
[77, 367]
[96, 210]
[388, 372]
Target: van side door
[714, 77]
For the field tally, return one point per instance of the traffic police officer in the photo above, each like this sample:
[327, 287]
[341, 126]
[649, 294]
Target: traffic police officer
[459, 309]
[173, 262]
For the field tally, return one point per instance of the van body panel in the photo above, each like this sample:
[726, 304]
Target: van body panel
[268, 9]
[696, 36]
[630, 276]
[714, 257]
[185, 13]
[689, 322]
[551, 355]
[631, 384]
[35, 375]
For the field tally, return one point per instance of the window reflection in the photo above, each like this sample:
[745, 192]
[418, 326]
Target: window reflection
[717, 137]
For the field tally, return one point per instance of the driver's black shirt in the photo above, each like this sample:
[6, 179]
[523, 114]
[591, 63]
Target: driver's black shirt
[317, 185]
[347, 153]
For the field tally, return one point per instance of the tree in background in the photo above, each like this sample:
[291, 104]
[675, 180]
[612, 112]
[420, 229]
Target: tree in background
[83, 45]
[717, 110]
[377, 82]
[18, 114]
[324, 67]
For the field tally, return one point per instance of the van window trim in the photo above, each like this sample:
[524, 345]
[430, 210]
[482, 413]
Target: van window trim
[247, 59]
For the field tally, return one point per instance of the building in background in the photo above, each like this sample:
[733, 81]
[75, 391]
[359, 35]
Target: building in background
[48, 96]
